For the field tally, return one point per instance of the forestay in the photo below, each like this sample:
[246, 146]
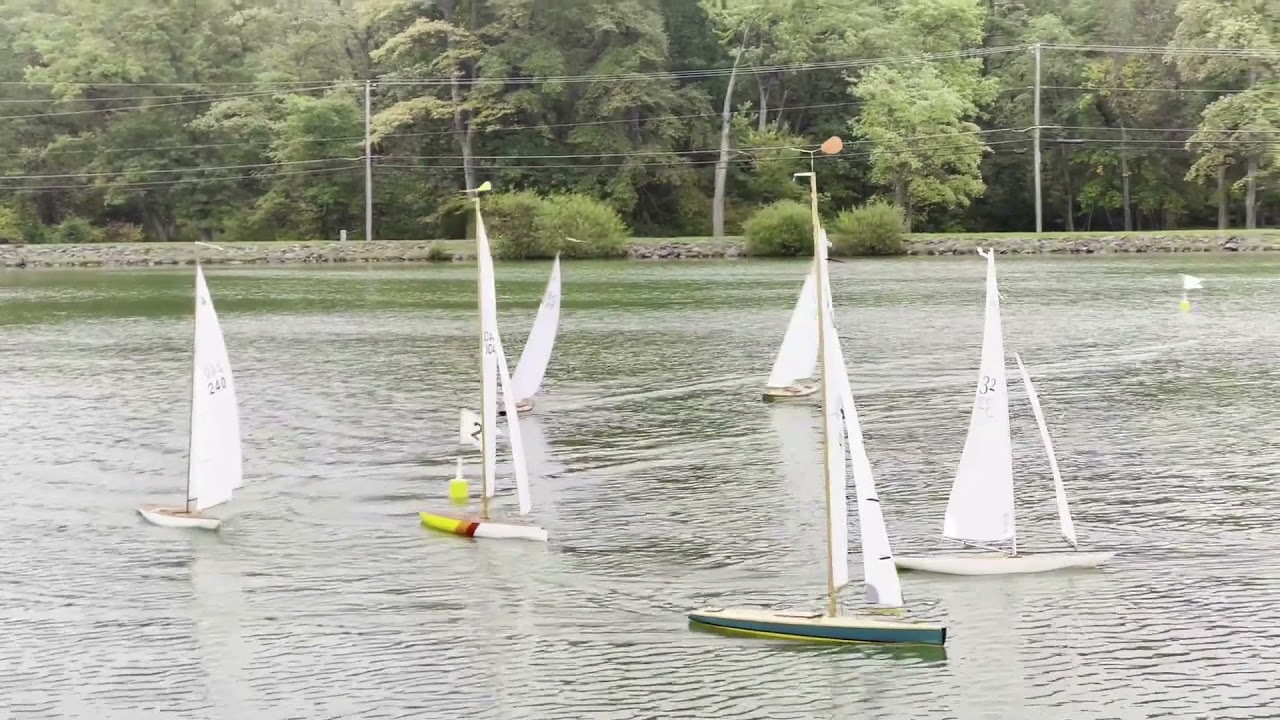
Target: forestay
[980, 508]
[536, 355]
[798, 354]
[1059, 490]
[880, 576]
[215, 467]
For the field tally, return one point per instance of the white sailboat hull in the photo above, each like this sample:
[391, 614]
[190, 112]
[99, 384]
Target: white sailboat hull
[524, 407]
[798, 390]
[1001, 564]
[483, 528]
[177, 517]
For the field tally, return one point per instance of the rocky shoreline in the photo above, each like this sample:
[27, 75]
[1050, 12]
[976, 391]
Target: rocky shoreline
[400, 251]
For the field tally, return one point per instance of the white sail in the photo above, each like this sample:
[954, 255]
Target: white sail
[880, 576]
[980, 508]
[535, 357]
[215, 468]
[837, 500]
[469, 427]
[519, 465]
[489, 347]
[1190, 282]
[1059, 490]
[798, 354]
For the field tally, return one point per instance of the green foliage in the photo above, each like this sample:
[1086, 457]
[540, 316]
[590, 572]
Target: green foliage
[525, 226]
[597, 228]
[873, 229]
[76, 231]
[10, 226]
[245, 118]
[438, 253]
[511, 221]
[784, 228]
[122, 232]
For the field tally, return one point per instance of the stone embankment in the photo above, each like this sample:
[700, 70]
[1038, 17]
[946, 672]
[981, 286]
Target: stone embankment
[397, 251]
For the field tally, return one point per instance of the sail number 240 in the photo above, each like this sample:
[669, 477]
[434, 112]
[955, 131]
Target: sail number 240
[215, 378]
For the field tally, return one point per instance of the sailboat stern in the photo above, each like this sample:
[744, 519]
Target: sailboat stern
[483, 528]
[817, 627]
[1001, 563]
[793, 391]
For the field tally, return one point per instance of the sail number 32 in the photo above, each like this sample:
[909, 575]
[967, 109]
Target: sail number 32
[986, 385]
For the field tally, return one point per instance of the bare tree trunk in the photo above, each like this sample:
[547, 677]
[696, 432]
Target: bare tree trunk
[1222, 197]
[1251, 189]
[1251, 194]
[902, 198]
[763, 122]
[1070, 215]
[722, 165]
[1124, 177]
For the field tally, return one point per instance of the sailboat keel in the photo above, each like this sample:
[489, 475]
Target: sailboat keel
[483, 528]
[1000, 563]
[817, 627]
[177, 517]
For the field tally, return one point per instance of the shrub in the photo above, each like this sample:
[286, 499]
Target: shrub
[10, 226]
[122, 232]
[510, 219]
[75, 231]
[599, 231]
[438, 253]
[524, 226]
[784, 228]
[873, 229]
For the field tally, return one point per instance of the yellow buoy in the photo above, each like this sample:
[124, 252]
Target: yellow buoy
[458, 491]
[1185, 305]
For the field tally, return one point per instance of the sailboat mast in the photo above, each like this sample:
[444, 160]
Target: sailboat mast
[191, 412]
[822, 384]
[484, 395]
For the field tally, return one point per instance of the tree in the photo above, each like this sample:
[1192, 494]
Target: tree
[920, 144]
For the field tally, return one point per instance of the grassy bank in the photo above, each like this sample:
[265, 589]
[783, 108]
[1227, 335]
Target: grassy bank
[392, 251]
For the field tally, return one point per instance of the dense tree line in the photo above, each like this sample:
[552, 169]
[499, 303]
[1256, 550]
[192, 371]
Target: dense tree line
[125, 119]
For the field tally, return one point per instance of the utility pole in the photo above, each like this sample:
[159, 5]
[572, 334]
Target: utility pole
[368, 160]
[1036, 131]
[1251, 189]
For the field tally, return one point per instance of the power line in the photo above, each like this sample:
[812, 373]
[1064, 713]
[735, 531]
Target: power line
[179, 181]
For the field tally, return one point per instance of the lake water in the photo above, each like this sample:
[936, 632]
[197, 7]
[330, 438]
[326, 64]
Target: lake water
[665, 484]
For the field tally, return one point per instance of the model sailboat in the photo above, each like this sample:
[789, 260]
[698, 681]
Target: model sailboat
[980, 511]
[532, 367]
[493, 363]
[798, 355]
[839, 423]
[214, 470]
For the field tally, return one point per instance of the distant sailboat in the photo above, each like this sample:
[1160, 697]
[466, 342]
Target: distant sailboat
[798, 355]
[214, 466]
[980, 511]
[493, 364]
[1189, 282]
[882, 589]
[532, 367]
